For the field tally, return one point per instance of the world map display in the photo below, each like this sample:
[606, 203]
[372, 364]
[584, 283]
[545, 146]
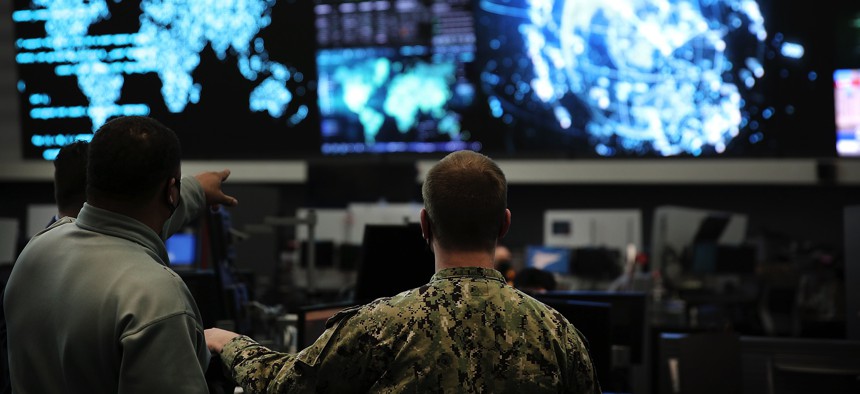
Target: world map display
[165, 40]
[287, 79]
[392, 76]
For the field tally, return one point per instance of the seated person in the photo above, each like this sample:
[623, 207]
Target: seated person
[533, 281]
[465, 331]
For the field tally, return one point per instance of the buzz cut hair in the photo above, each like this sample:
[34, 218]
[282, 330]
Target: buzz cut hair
[465, 195]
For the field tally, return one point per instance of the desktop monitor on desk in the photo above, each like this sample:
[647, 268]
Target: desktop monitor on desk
[628, 315]
[677, 229]
[182, 250]
[594, 321]
[602, 241]
[548, 258]
[592, 263]
[324, 254]
[705, 255]
[394, 258]
[596, 263]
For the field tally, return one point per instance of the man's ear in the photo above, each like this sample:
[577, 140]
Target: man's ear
[169, 191]
[506, 224]
[425, 225]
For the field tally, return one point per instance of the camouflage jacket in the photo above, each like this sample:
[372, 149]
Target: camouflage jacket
[466, 331]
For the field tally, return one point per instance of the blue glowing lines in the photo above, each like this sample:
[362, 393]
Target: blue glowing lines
[102, 87]
[271, 96]
[371, 86]
[53, 142]
[180, 30]
[171, 36]
[652, 76]
[792, 50]
[432, 81]
[346, 148]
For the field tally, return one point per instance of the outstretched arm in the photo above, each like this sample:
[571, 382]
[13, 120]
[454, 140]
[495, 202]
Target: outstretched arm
[211, 183]
[195, 194]
[335, 362]
[251, 365]
[216, 338]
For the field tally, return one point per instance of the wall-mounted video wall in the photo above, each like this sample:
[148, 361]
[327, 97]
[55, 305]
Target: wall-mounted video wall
[301, 79]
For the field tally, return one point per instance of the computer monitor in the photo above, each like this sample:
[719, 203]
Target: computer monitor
[596, 263]
[846, 90]
[628, 310]
[348, 256]
[594, 321]
[548, 258]
[324, 254]
[676, 229]
[374, 56]
[363, 214]
[395, 258]
[182, 250]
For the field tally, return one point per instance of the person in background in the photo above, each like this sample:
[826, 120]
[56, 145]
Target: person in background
[465, 331]
[70, 193]
[91, 304]
[70, 180]
[534, 281]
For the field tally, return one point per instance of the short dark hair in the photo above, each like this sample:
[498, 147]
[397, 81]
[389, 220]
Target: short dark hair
[130, 157]
[70, 177]
[531, 279]
[465, 196]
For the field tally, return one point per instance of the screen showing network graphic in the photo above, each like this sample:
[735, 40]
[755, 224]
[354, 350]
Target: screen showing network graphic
[656, 78]
[394, 76]
[233, 79]
[292, 79]
[847, 98]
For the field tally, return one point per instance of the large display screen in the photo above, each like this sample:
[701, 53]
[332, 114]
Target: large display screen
[586, 78]
[235, 79]
[846, 85]
[846, 81]
[394, 76]
[295, 79]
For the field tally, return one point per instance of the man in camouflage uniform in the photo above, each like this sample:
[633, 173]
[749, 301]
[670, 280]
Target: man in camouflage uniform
[466, 331]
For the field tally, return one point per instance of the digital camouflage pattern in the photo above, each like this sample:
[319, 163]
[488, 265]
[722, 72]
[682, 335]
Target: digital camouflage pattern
[466, 331]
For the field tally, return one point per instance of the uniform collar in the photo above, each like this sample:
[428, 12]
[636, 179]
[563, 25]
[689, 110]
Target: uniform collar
[471, 272]
[121, 226]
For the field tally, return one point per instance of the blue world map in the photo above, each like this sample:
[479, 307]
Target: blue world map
[169, 42]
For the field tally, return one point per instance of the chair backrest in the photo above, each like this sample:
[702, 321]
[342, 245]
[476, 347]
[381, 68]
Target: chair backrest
[824, 373]
[710, 363]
